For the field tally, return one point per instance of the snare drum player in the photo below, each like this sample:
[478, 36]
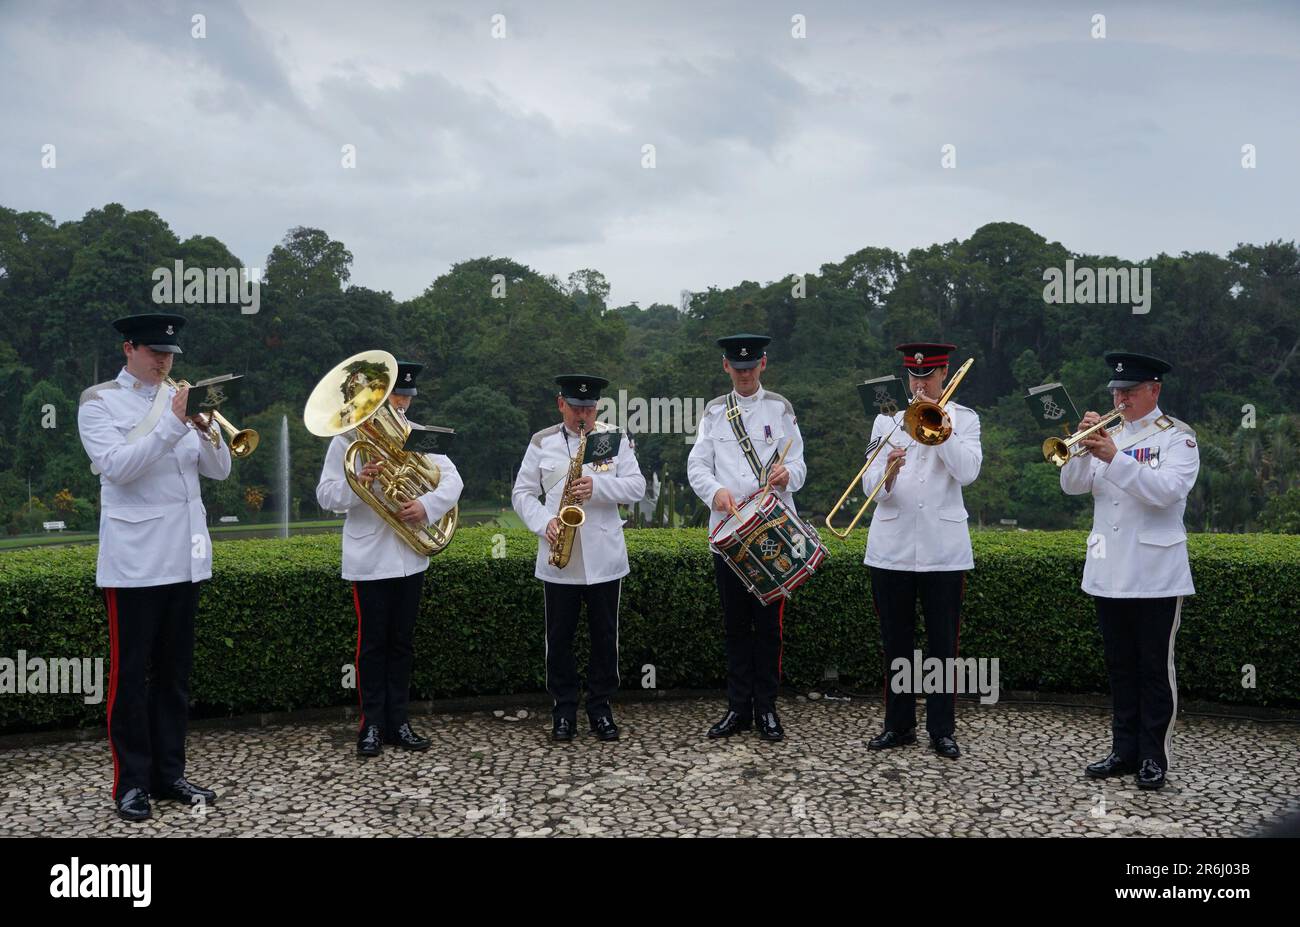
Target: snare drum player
[736, 451]
[154, 551]
[387, 580]
[919, 546]
[1136, 567]
[597, 559]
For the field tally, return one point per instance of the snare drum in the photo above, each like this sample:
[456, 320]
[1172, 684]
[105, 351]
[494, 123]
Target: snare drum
[769, 546]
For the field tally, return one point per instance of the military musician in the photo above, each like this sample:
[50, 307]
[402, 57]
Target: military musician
[919, 546]
[587, 565]
[737, 450]
[154, 552]
[387, 577]
[1136, 566]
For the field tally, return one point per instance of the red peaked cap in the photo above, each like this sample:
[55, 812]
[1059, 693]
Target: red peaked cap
[920, 357]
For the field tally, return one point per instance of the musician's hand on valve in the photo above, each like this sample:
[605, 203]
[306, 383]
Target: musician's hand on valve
[412, 512]
[722, 501]
[552, 531]
[178, 403]
[1089, 418]
[1101, 446]
[370, 471]
[779, 477]
[582, 488]
[897, 454]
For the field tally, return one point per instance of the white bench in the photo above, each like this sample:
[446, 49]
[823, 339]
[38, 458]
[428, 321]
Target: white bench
[54, 525]
[228, 519]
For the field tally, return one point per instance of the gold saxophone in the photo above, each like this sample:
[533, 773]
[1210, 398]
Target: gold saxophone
[570, 514]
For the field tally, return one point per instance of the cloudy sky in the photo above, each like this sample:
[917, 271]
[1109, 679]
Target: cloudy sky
[773, 154]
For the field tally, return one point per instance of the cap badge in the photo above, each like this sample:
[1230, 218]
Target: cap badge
[582, 388]
[918, 357]
[1119, 368]
[744, 352]
[171, 330]
[408, 377]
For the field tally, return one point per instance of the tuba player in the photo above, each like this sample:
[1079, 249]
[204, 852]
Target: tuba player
[387, 578]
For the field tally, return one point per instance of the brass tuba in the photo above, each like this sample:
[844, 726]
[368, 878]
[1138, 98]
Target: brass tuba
[354, 396]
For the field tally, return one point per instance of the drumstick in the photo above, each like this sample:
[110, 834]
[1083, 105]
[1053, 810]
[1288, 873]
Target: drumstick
[780, 460]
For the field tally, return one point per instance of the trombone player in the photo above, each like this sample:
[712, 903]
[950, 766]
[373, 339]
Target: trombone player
[573, 465]
[919, 546]
[1137, 567]
[387, 578]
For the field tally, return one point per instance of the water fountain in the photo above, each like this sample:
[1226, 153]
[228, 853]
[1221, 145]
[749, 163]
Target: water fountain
[284, 475]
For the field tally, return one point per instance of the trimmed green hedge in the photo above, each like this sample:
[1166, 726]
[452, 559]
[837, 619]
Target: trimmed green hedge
[276, 625]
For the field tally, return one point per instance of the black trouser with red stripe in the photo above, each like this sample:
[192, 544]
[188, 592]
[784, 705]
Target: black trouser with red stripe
[1138, 636]
[894, 593]
[753, 638]
[386, 613]
[563, 603]
[151, 639]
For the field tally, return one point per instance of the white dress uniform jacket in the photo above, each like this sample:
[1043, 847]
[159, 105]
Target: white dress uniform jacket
[1138, 546]
[920, 525]
[717, 462]
[599, 551]
[152, 524]
[371, 548]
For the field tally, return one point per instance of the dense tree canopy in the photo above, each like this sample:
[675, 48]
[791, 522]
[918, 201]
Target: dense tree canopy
[493, 333]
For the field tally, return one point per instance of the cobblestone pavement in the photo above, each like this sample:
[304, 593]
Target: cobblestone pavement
[496, 774]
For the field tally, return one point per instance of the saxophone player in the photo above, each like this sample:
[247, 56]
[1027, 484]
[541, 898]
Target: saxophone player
[387, 579]
[550, 476]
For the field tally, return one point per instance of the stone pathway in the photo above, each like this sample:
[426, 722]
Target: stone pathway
[498, 775]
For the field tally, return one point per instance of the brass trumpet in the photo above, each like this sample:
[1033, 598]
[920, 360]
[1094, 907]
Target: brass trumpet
[242, 442]
[1060, 450]
[926, 422]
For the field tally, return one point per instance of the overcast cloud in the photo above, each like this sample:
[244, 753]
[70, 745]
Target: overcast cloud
[773, 154]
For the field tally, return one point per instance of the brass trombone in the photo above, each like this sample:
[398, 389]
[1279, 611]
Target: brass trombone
[926, 422]
[242, 441]
[1060, 450]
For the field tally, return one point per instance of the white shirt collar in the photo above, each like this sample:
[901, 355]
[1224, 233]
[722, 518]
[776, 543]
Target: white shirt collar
[750, 400]
[127, 380]
[1144, 421]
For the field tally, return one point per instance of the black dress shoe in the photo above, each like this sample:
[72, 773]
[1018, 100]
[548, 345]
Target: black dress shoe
[1150, 776]
[946, 747]
[888, 739]
[183, 790]
[730, 723]
[407, 739]
[562, 730]
[769, 727]
[134, 805]
[370, 741]
[604, 728]
[1113, 765]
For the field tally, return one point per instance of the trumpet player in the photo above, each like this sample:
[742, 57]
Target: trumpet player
[1137, 568]
[553, 475]
[154, 551]
[918, 546]
[387, 579]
